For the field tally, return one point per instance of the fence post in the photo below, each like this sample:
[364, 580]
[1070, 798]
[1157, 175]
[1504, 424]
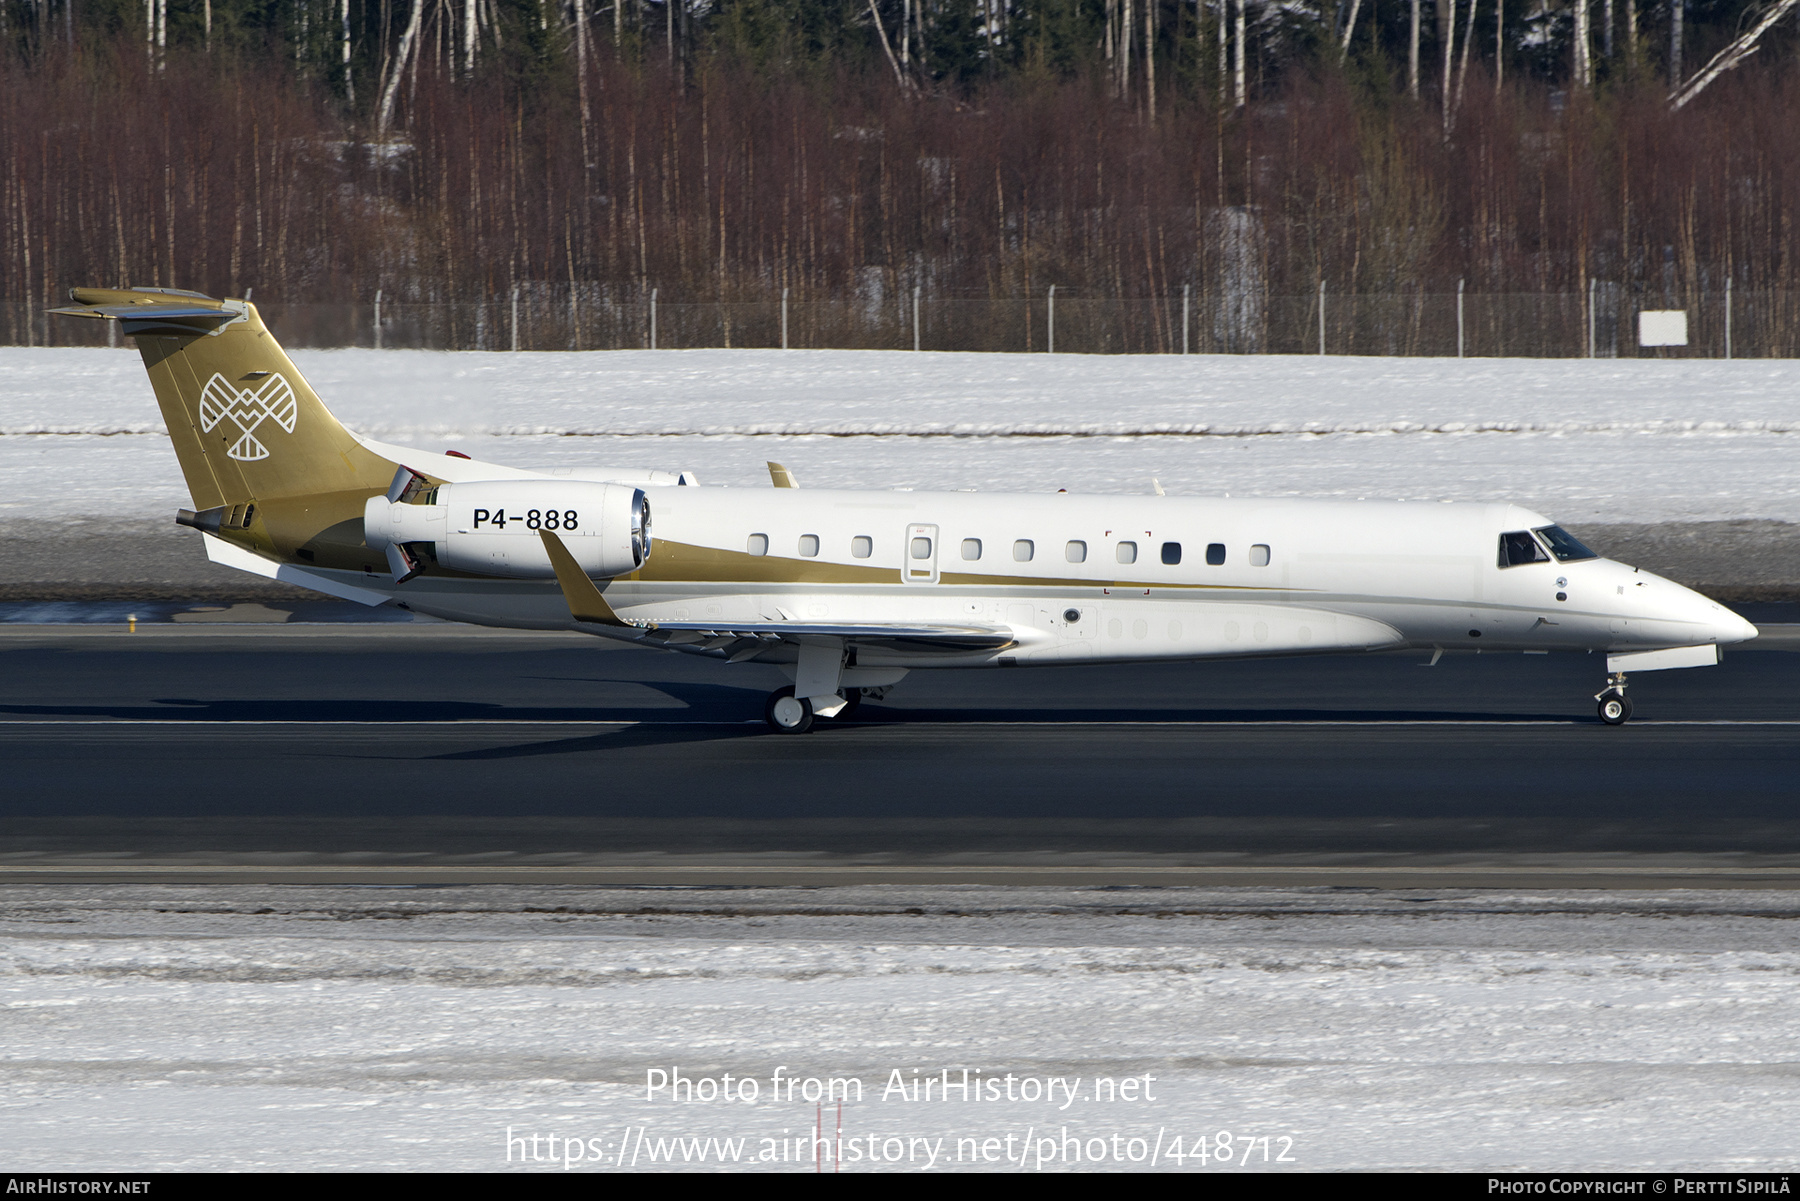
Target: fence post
[1186, 289]
[784, 340]
[1727, 317]
[1459, 318]
[652, 318]
[1321, 316]
[377, 318]
[515, 318]
[915, 316]
[1052, 349]
[1590, 307]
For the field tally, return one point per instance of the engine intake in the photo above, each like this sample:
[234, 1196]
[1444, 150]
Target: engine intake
[491, 527]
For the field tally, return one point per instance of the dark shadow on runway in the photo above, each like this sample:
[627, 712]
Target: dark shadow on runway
[1212, 717]
[708, 703]
[617, 738]
[716, 706]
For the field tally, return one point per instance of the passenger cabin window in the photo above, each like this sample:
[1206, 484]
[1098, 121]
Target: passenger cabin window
[809, 545]
[1022, 551]
[1128, 552]
[1562, 545]
[921, 548]
[1215, 553]
[758, 544]
[1259, 555]
[1171, 553]
[971, 549]
[862, 546]
[1519, 547]
[1075, 552]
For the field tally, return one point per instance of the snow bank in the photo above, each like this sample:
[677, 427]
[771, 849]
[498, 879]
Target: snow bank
[399, 1029]
[1586, 440]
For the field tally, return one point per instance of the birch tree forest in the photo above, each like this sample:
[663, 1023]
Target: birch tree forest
[318, 151]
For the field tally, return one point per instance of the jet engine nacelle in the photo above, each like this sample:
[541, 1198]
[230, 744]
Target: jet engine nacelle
[491, 527]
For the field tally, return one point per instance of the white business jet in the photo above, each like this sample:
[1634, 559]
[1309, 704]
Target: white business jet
[847, 592]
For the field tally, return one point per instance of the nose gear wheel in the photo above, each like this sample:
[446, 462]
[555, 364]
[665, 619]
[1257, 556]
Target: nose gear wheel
[1615, 706]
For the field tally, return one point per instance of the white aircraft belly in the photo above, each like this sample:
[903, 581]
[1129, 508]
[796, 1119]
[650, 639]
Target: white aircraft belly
[1162, 629]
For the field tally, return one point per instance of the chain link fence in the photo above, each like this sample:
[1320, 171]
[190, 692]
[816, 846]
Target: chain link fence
[1602, 323]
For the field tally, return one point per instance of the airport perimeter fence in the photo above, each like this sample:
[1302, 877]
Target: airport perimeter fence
[1602, 322]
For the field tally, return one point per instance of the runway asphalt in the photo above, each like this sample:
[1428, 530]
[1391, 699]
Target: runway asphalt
[443, 754]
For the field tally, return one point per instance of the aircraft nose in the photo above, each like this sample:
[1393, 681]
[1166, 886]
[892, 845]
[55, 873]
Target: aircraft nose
[1722, 625]
[1729, 627]
[1688, 615]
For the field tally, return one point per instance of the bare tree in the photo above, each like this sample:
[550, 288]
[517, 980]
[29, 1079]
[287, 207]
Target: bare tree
[1584, 75]
[349, 78]
[1729, 57]
[581, 78]
[1462, 68]
[391, 89]
[1224, 50]
[1676, 8]
[1150, 56]
[1239, 92]
[888, 49]
[1499, 44]
[1350, 27]
[1412, 55]
[1126, 22]
[1447, 35]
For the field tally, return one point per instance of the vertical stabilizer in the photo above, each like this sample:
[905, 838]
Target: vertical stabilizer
[246, 425]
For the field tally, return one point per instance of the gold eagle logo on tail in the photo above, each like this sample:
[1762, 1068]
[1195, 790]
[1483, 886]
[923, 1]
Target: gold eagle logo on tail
[248, 408]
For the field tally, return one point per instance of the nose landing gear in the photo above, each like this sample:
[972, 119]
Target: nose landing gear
[1615, 706]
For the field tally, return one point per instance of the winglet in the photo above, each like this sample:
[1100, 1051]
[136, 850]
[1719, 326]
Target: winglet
[585, 602]
[782, 477]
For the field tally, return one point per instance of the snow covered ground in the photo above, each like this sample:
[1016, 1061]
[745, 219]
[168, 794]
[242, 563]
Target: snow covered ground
[339, 1028]
[1583, 440]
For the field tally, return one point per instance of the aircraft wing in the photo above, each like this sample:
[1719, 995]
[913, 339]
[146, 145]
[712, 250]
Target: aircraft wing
[933, 637]
[742, 639]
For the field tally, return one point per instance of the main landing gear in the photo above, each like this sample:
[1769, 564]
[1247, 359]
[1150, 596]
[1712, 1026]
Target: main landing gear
[1615, 706]
[789, 714]
[821, 689]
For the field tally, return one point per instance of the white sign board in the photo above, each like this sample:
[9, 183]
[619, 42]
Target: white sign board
[1662, 327]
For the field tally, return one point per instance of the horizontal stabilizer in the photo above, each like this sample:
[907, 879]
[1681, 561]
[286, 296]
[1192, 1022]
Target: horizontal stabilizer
[228, 554]
[155, 310]
[145, 312]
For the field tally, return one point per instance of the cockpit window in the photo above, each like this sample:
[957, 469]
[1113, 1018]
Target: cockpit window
[1564, 547]
[1520, 547]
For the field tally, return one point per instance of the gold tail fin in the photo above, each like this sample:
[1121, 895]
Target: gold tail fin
[247, 427]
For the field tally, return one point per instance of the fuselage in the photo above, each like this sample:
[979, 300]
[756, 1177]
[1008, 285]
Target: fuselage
[1083, 578]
